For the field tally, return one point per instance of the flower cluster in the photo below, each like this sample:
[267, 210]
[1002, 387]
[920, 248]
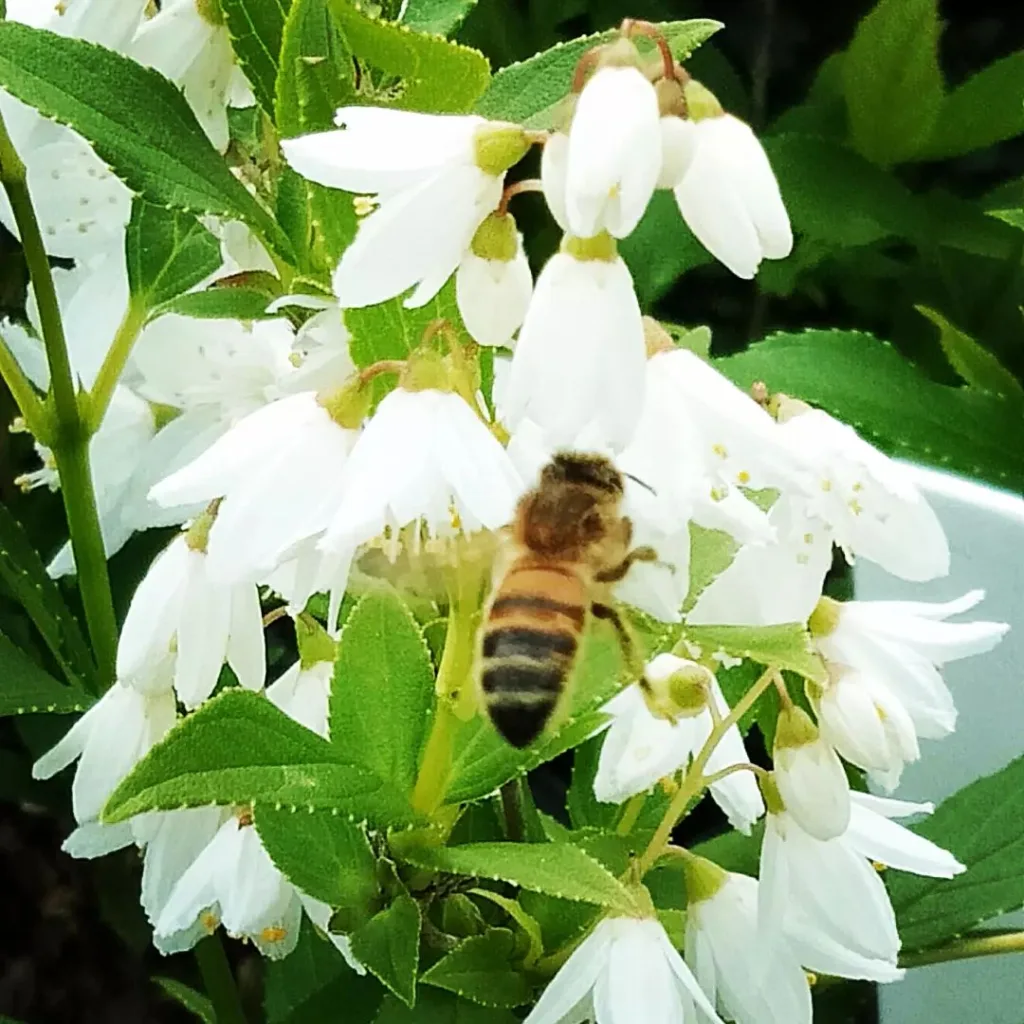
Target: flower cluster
[285, 464]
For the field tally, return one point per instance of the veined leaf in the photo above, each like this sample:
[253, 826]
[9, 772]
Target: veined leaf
[557, 869]
[25, 576]
[786, 646]
[136, 120]
[222, 302]
[383, 689]
[976, 365]
[324, 854]
[866, 383]
[893, 85]
[256, 28]
[435, 75]
[195, 1002]
[441, 17]
[983, 827]
[25, 688]
[388, 945]
[239, 748]
[167, 252]
[531, 91]
[480, 969]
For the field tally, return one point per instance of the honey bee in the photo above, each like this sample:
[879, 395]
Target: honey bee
[569, 543]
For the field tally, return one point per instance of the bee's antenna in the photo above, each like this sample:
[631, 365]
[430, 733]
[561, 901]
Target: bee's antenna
[642, 483]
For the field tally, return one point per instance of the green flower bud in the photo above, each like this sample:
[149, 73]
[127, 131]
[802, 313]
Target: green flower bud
[701, 102]
[825, 617]
[600, 247]
[683, 694]
[770, 792]
[349, 405]
[703, 877]
[197, 536]
[497, 147]
[795, 728]
[313, 642]
[425, 370]
[496, 238]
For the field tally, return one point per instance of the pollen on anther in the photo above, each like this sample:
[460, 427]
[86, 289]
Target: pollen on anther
[720, 450]
[209, 922]
[273, 934]
[743, 477]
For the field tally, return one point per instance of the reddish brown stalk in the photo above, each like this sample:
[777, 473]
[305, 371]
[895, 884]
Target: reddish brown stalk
[631, 27]
[515, 189]
[383, 366]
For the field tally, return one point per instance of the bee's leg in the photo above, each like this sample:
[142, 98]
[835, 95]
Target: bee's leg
[629, 648]
[618, 572]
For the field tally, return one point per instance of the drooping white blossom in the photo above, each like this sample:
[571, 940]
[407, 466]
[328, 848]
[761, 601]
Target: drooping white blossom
[625, 970]
[726, 191]
[436, 177]
[826, 896]
[751, 982]
[178, 608]
[579, 360]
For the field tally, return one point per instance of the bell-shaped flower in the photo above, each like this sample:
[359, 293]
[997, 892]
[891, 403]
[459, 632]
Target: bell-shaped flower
[426, 458]
[493, 283]
[278, 471]
[826, 896]
[900, 646]
[188, 42]
[178, 608]
[110, 738]
[436, 177]
[751, 982]
[724, 185]
[601, 177]
[579, 362]
[810, 777]
[870, 503]
[626, 970]
[647, 741]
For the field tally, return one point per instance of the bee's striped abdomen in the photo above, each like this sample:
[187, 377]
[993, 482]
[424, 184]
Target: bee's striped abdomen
[529, 644]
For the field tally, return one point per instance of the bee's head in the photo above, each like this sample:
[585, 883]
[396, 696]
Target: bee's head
[586, 469]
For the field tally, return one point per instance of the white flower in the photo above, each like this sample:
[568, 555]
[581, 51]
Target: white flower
[178, 607]
[580, 359]
[196, 55]
[303, 694]
[110, 738]
[900, 645]
[870, 502]
[278, 470]
[433, 190]
[625, 971]
[640, 748]
[751, 981]
[233, 882]
[811, 779]
[493, 295]
[424, 457]
[612, 159]
[728, 194]
[827, 897]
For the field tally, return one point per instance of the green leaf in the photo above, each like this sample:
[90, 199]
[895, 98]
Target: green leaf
[324, 854]
[270, 757]
[256, 28]
[313, 981]
[434, 1006]
[138, 122]
[531, 91]
[224, 301]
[983, 827]
[557, 869]
[388, 945]
[167, 253]
[25, 688]
[711, 553]
[195, 1002]
[893, 85]
[441, 17]
[383, 689]
[480, 969]
[786, 646]
[976, 365]
[434, 75]
[866, 383]
[985, 110]
[25, 576]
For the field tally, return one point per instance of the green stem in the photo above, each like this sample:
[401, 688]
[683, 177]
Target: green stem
[631, 813]
[967, 948]
[219, 982]
[68, 435]
[694, 782]
[113, 364]
[33, 411]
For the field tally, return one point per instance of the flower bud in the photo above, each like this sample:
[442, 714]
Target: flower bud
[704, 878]
[809, 776]
[348, 405]
[425, 370]
[599, 247]
[314, 644]
[497, 147]
[197, 536]
[701, 102]
[656, 338]
[825, 617]
[210, 11]
[675, 688]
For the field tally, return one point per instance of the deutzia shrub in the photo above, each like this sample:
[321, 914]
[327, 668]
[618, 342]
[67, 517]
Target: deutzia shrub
[314, 355]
